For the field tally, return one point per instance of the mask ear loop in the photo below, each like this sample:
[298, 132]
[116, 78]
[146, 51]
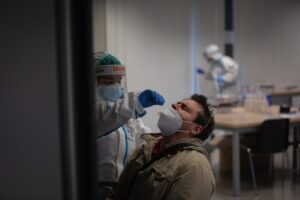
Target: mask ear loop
[211, 110]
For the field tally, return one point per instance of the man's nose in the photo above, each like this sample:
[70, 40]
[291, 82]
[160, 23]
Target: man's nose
[175, 106]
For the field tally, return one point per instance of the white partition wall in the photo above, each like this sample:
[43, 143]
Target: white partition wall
[268, 41]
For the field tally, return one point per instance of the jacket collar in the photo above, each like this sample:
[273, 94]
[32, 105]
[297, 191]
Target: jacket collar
[151, 139]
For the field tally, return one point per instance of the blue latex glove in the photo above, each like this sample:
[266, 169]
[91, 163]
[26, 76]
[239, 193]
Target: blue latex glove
[149, 98]
[200, 71]
[220, 80]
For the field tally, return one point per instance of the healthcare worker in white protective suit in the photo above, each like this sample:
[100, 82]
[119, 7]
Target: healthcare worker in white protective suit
[223, 71]
[118, 114]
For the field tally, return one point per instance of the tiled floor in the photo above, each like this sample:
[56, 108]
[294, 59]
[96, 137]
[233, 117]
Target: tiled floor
[269, 187]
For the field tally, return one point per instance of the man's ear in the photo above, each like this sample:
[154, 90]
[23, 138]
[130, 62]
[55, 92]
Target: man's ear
[197, 130]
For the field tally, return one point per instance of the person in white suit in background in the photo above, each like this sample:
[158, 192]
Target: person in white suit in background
[223, 71]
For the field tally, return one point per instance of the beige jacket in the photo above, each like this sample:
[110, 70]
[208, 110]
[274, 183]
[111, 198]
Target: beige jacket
[184, 175]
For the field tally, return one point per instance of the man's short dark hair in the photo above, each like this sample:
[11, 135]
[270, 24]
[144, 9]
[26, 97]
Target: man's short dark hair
[206, 118]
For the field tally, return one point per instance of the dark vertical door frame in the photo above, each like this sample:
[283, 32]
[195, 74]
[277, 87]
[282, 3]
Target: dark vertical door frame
[75, 68]
[229, 28]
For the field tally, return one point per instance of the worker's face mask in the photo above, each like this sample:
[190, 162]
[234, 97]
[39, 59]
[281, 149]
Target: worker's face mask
[170, 122]
[111, 92]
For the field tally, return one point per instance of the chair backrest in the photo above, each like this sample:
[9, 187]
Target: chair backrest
[273, 136]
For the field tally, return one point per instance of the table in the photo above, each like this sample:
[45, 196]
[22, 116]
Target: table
[289, 93]
[239, 121]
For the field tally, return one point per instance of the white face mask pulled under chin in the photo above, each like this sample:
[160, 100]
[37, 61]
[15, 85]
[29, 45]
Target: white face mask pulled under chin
[170, 122]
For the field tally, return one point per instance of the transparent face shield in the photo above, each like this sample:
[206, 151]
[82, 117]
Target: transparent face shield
[111, 83]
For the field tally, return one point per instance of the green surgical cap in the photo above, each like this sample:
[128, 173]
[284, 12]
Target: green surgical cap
[107, 64]
[107, 59]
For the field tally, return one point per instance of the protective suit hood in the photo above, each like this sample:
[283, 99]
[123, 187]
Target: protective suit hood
[213, 52]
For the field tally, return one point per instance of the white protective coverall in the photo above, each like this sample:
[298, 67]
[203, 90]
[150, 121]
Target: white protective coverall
[228, 69]
[118, 134]
[224, 68]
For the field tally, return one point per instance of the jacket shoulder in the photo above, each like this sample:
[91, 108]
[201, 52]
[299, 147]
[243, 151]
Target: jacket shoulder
[194, 156]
